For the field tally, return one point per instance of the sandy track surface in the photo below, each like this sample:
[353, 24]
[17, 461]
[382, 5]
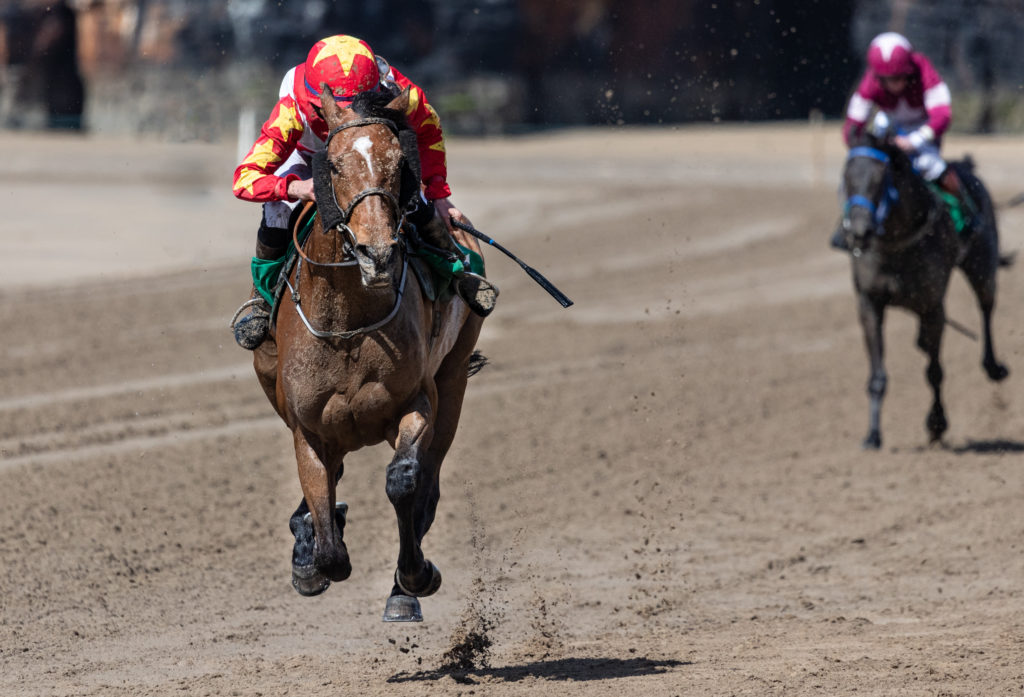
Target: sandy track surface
[659, 491]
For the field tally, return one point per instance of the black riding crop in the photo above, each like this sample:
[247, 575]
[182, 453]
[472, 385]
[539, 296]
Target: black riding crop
[533, 273]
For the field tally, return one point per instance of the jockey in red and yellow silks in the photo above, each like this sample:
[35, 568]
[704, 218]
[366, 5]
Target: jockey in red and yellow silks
[295, 130]
[277, 171]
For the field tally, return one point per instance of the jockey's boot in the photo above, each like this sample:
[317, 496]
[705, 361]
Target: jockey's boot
[479, 293]
[951, 183]
[252, 328]
[838, 240]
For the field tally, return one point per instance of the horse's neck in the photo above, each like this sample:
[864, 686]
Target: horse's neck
[914, 205]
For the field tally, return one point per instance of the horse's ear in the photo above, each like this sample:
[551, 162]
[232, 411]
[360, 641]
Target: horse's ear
[330, 108]
[401, 102]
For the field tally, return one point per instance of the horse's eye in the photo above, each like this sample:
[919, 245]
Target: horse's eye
[335, 168]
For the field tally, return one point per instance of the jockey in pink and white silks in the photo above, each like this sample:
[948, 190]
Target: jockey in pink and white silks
[909, 97]
[904, 86]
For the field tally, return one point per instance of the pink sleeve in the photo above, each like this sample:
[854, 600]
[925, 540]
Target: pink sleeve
[938, 101]
[859, 107]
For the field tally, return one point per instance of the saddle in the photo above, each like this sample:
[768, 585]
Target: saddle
[962, 216]
[435, 273]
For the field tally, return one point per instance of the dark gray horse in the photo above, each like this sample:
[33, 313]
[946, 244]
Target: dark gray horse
[904, 248]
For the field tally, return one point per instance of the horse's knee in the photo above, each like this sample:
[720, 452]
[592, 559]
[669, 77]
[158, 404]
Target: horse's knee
[402, 481]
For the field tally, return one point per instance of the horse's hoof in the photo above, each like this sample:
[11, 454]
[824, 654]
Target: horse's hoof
[997, 372]
[431, 587]
[402, 608]
[872, 442]
[937, 425]
[308, 580]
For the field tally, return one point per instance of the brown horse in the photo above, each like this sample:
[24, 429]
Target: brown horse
[359, 355]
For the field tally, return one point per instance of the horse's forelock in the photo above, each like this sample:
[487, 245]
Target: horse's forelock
[374, 103]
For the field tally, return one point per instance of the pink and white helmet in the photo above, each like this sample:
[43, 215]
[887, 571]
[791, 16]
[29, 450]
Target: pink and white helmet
[890, 54]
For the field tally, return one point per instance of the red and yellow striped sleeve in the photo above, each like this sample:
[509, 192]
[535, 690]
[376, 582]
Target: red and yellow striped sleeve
[254, 177]
[429, 137]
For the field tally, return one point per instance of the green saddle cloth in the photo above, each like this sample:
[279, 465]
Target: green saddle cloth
[267, 273]
[960, 217]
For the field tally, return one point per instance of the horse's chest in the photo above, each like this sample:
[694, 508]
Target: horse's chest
[347, 401]
[917, 283]
[359, 410]
[353, 418]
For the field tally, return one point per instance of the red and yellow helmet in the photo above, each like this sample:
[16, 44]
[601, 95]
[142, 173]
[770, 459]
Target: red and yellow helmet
[344, 63]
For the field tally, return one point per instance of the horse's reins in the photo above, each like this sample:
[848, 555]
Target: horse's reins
[881, 210]
[337, 220]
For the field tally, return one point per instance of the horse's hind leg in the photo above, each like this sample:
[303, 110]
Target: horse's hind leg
[330, 561]
[929, 339]
[983, 281]
[981, 266]
[871, 314]
[306, 578]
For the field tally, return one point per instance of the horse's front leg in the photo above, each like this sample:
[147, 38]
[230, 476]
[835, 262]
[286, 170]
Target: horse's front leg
[871, 314]
[410, 483]
[318, 475]
[929, 340]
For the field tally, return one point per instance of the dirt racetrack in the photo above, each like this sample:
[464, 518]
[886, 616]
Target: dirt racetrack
[659, 491]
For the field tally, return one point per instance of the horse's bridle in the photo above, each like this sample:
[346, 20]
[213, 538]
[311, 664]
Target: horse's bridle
[337, 220]
[880, 211]
[889, 197]
[333, 217]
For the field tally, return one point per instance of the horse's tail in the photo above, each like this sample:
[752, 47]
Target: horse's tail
[476, 363]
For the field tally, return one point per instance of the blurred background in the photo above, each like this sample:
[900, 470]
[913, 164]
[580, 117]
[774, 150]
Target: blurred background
[197, 69]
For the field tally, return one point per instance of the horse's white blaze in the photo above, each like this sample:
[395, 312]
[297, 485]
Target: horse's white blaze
[362, 146]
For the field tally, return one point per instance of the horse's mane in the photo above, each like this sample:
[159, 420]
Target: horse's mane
[869, 140]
